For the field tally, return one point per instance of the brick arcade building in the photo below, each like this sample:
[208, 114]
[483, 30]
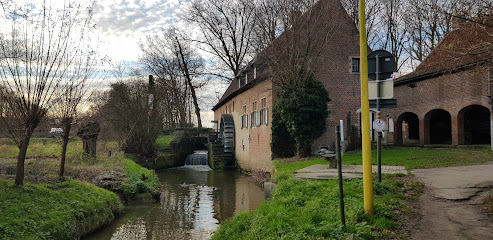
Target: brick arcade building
[249, 99]
[446, 99]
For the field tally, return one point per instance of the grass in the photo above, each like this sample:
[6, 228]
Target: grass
[309, 209]
[163, 142]
[52, 148]
[65, 210]
[138, 180]
[45, 208]
[42, 160]
[286, 170]
[413, 158]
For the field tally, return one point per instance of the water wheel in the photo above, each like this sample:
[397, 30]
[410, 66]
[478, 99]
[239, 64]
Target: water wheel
[227, 135]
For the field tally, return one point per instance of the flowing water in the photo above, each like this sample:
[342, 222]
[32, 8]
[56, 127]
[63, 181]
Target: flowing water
[194, 202]
[199, 157]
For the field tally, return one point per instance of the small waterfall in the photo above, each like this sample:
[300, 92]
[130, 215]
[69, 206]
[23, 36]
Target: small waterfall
[199, 157]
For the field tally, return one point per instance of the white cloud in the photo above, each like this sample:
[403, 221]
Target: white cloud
[124, 23]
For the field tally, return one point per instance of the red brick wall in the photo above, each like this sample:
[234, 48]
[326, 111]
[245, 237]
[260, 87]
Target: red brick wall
[450, 92]
[333, 69]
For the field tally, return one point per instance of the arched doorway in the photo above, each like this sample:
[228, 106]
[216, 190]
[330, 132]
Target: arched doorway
[407, 128]
[474, 125]
[439, 127]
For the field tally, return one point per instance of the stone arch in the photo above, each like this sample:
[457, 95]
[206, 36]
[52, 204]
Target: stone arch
[474, 125]
[407, 128]
[438, 127]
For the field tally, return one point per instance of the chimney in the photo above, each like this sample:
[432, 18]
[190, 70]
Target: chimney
[458, 22]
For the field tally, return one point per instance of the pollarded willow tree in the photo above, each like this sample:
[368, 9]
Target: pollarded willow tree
[39, 46]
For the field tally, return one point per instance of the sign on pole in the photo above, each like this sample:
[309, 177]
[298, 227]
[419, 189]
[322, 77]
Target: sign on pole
[379, 125]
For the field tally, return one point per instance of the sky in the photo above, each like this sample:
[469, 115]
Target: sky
[123, 24]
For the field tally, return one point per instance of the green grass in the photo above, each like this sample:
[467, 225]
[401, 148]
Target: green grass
[309, 209]
[139, 179]
[163, 142]
[43, 159]
[286, 170]
[413, 158]
[51, 148]
[65, 210]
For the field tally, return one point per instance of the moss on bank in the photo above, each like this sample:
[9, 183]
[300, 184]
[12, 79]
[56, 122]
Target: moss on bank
[64, 210]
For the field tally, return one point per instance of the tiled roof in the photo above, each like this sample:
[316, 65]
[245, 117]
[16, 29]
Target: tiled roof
[461, 49]
[234, 89]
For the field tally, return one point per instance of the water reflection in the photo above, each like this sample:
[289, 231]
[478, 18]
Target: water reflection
[194, 201]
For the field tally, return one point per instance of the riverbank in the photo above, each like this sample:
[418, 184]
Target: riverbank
[309, 209]
[56, 210]
[79, 204]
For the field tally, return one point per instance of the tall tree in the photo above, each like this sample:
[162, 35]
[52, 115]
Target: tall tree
[227, 30]
[127, 109]
[393, 25]
[74, 87]
[38, 45]
[273, 17]
[373, 9]
[180, 69]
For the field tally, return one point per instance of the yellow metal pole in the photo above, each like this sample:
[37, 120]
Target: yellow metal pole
[365, 113]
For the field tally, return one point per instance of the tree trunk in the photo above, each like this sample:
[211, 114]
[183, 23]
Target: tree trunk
[21, 158]
[303, 150]
[66, 132]
[189, 81]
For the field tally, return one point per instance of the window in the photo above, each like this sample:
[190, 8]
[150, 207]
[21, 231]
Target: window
[264, 113]
[253, 115]
[355, 65]
[244, 118]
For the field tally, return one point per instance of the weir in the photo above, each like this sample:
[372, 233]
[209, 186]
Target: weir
[199, 157]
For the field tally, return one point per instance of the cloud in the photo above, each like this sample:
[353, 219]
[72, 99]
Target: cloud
[124, 23]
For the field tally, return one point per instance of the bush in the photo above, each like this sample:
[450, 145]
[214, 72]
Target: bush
[302, 108]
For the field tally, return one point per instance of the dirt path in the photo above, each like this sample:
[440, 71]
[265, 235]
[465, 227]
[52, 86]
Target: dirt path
[450, 207]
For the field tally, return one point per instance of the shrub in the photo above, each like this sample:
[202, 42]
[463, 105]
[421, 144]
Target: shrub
[302, 107]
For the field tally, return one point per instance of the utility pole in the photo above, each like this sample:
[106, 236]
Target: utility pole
[365, 113]
[379, 134]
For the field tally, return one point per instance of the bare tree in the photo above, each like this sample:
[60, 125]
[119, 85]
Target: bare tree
[180, 71]
[273, 17]
[292, 56]
[189, 64]
[373, 10]
[393, 28]
[36, 54]
[227, 30]
[72, 91]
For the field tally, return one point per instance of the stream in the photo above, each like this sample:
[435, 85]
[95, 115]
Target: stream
[194, 202]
